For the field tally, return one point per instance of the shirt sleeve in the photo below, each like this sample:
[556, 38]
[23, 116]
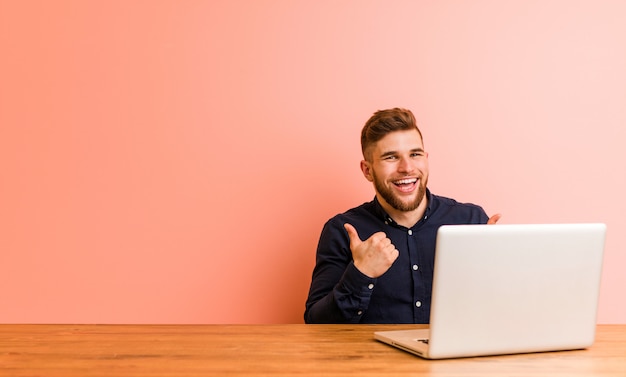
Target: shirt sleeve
[339, 292]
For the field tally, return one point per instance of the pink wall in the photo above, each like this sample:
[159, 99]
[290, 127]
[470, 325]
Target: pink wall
[174, 161]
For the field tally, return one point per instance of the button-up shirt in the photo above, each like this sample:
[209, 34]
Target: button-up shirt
[340, 293]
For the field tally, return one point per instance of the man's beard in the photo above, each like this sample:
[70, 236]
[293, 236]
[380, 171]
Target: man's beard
[394, 201]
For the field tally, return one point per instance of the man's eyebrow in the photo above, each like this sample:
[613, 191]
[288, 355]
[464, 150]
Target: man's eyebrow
[393, 153]
[389, 153]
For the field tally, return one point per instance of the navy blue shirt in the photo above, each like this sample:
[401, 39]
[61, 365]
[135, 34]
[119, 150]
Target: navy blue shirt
[340, 293]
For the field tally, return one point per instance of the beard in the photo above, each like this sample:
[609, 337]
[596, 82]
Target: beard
[395, 201]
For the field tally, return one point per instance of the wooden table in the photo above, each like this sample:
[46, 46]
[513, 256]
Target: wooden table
[270, 350]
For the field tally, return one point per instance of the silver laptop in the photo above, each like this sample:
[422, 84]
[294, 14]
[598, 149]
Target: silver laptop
[502, 289]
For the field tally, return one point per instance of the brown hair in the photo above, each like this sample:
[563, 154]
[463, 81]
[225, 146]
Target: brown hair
[384, 122]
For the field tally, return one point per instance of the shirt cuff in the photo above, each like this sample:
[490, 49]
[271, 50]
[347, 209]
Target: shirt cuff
[353, 293]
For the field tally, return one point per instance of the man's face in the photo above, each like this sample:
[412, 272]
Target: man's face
[398, 166]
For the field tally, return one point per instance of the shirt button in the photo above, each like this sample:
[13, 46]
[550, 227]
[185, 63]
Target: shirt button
[370, 286]
[359, 312]
[418, 304]
[410, 232]
[415, 267]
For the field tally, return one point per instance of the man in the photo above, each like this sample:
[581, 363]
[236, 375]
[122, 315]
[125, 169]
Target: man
[375, 262]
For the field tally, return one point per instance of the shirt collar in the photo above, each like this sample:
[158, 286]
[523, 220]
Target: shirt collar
[382, 214]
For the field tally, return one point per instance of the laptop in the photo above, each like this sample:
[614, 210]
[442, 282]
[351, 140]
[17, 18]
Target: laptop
[505, 289]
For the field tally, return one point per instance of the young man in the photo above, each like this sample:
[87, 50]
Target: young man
[375, 262]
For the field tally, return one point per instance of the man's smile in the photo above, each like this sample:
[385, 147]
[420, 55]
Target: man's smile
[405, 184]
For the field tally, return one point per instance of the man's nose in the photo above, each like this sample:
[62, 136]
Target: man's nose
[405, 165]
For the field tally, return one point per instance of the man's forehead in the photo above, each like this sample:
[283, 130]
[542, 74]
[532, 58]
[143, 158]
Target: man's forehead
[401, 141]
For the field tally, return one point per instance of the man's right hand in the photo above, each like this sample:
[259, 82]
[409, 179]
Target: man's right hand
[374, 256]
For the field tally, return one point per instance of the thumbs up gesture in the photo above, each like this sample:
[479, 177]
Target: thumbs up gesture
[374, 256]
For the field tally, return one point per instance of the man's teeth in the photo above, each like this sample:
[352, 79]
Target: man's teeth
[405, 181]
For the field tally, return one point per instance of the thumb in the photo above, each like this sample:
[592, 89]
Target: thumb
[352, 234]
[494, 219]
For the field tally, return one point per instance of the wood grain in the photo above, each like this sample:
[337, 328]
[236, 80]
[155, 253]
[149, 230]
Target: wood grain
[269, 350]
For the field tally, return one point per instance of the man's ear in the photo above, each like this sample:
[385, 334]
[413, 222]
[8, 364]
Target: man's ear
[366, 168]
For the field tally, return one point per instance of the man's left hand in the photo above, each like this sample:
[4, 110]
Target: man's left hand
[494, 219]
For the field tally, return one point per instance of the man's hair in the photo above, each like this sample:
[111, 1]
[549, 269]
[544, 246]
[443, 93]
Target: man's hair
[383, 122]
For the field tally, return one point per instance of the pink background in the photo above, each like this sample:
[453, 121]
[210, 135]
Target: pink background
[174, 161]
